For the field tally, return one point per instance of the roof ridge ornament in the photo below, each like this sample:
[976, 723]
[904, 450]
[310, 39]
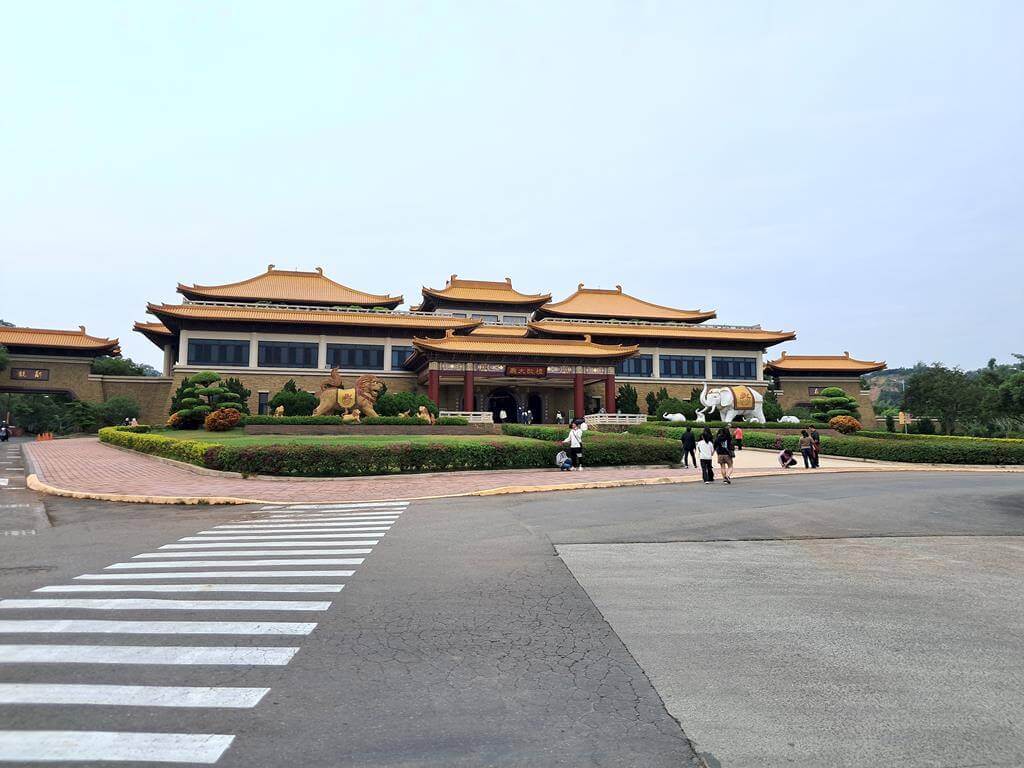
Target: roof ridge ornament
[270, 267]
[319, 271]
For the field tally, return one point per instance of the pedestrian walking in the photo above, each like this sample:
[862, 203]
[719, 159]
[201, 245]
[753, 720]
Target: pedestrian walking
[502, 415]
[559, 418]
[575, 444]
[816, 445]
[706, 452]
[807, 449]
[725, 449]
[737, 437]
[689, 448]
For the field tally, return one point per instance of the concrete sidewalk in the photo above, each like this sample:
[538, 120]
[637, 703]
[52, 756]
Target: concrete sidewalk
[85, 468]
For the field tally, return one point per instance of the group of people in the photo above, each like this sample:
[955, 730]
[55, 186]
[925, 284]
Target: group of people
[726, 442]
[709, 446]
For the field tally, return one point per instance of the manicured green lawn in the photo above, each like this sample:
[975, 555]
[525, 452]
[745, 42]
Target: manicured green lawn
[238, 437]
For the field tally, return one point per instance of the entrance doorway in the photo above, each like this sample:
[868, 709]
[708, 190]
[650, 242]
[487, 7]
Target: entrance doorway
[536, 405]
[503, 400]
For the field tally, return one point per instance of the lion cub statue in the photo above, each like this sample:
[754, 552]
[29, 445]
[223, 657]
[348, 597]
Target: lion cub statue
[362, 397]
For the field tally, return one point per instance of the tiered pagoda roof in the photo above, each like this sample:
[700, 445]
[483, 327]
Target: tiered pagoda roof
[171, 315]
[604, 304]
[290, 287]
[682, 331]
[825, 363]
[487, 292]
[14, 337]
[482, 344]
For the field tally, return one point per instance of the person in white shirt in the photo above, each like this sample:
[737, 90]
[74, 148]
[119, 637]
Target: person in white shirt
[705, 453]
[575, 443]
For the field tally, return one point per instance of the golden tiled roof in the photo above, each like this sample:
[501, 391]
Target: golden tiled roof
[483, 292]
[58, 339]
[290, 287]
[158, 329]
[680, 331]
[479, 344]
[303, 315]
[517, 331]
[832, 363]
[614, 304]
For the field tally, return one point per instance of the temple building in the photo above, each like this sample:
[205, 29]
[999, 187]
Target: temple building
[797, 378]
[471, 345]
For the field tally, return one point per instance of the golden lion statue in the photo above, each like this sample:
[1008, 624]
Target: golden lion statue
[360, 399]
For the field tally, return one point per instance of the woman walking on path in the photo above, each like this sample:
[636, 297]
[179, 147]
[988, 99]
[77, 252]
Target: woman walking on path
[575, 443]
[807, 449]
[816, 445]
[689, 448]
[705, 452]
[737, 436]
[725, 449]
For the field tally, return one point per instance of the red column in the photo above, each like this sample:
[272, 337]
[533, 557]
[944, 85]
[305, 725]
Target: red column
[467, 391]
[609, 393]
[577, 396]
[434, 386]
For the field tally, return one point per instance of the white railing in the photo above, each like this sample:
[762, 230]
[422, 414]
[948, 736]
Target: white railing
[616, 418]
[473, 417]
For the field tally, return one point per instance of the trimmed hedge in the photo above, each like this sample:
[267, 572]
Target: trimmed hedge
[247, 420]
[395, 421]
[191, 451]
[139, 430]
[936, 450]
[913, 437]
[536, 431]
[675, 431]
[451, 421]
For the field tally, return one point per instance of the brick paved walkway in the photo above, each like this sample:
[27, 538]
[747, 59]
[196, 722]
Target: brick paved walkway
[85, 466]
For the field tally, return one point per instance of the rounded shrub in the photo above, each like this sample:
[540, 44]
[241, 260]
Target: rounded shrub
[833, 392]
[397, 403]
[845, 424]
[222, 420]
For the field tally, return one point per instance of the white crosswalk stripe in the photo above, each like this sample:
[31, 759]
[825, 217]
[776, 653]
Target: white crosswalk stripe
[192, 588]
[280, 551]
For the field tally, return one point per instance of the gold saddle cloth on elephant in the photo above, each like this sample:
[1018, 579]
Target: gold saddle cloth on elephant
[347, 398]
[743, 398]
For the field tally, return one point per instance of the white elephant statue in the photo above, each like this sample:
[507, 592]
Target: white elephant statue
[673, 416]
[789, 420]
[732, 402]
[700, 418]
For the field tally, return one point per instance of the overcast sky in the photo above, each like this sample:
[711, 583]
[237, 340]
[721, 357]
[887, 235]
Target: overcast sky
[851, 171]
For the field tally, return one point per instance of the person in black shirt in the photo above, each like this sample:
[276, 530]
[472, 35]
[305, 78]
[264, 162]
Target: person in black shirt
[689, 448]
[724, 448]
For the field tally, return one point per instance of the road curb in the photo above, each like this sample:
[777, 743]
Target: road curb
[33, 482]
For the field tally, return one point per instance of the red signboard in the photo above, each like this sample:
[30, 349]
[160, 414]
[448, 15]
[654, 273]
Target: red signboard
[528, 371]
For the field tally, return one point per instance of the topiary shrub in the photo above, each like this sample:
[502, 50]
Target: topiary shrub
[672, 405]
[772, 409]
[222, 420]
[396, 403]
[831, 402]
[296, 402]
[847, 425]
[235, 387]
[197, 397]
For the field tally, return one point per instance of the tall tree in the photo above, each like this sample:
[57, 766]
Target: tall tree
[947, 393]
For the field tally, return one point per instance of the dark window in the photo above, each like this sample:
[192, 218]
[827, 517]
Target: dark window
[638, 365]
[218, 352]
[264, 399]
[287, 354]
[399, 355]
[485, 318]
[366, 356]
[514, 320]
[682, 367]
[733, 367]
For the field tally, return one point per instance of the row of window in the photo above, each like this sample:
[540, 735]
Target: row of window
[293, 354]
[370, 357]
[504, 319]
[689, 367]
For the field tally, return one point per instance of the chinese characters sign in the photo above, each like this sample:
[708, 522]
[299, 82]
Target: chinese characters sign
[30, 374]
[530, 371]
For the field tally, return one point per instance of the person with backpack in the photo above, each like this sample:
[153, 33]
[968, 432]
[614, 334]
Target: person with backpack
[689, 447]
[725, 449]
[706, 452]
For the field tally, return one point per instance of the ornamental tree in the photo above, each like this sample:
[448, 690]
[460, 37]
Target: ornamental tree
[832, 402]
[197, 397]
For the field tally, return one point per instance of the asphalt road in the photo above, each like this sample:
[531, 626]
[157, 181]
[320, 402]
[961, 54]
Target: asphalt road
[462, 639]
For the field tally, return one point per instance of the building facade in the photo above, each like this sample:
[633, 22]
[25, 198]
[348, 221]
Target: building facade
[471, 345]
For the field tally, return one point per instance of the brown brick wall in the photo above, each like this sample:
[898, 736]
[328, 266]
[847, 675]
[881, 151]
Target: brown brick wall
[64, 376]
[795, 391]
